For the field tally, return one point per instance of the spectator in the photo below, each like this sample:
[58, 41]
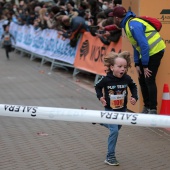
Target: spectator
[50, 17]
[72, 11]
[117, 3]
[88, 18]
[36, 24]
[83, 6]
[77, 26]
[108, 31]
[36, 10]
[42, 15]
[94, 9]
[105, 5]
[30, 18]
[62, 5]
[148, 51]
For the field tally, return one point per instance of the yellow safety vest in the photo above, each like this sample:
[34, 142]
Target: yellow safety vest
[155, 41]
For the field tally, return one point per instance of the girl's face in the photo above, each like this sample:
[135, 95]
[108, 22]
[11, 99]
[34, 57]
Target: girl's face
[119, 68]
[7, 28]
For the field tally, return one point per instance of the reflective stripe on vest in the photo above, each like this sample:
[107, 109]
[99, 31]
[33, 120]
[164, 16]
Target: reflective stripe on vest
[155, 42]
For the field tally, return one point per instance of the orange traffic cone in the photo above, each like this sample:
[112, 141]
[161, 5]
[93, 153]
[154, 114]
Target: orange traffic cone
[165, 106]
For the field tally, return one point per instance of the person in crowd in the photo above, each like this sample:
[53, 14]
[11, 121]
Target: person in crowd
[117, 3]
[111, 91]
[108, 31]
[82, 7]
[7, 40]
[62, 5]
[36, 10]
[50, 17]
[148, 51]
[72, 11]
[95, 8]
[77, 25]
[107, 4]
[101, 16]
[60, 25]
[22, 4]
[6, 14]
[37, 24]
[88, 18]
[43, 13]
[30, 18]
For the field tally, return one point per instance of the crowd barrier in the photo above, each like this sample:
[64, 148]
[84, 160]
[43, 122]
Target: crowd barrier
[50, 47]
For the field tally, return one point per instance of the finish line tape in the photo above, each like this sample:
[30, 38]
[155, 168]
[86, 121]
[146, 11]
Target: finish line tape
[79, 115]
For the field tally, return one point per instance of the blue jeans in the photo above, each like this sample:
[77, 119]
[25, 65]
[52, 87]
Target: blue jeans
[113, 136]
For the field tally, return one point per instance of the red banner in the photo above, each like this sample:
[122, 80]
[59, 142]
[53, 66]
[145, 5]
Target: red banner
[90, 53]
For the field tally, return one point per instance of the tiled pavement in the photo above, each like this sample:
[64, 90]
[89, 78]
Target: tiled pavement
[29, 144]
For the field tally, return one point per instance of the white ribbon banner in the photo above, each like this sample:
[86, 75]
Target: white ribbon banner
[1, 28]
[43, 42]
[79, 115]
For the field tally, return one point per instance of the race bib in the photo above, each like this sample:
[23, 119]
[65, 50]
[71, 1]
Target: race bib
[117, 101]
[6, 38]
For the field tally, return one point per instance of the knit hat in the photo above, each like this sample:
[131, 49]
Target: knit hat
[119, 12]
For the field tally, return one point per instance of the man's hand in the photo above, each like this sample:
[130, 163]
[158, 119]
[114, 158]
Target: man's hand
[46, 18]
[60, 32]
[147, 72]
[107, 34]
[100, 26]
[98, 35]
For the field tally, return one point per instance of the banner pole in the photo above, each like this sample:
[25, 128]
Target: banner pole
[79, 115]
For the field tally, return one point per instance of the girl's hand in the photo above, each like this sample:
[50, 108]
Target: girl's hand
[103, 101]
[132, 101]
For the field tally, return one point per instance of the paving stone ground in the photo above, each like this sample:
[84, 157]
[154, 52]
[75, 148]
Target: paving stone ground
[31, 144]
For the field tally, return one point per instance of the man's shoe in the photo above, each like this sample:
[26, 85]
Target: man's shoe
[112, 162]
[153, 111]
[145, 110]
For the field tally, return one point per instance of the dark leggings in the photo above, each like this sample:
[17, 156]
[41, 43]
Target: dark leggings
[148, 85]
[7, 50]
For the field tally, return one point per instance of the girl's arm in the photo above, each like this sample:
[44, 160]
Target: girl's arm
[98, 88]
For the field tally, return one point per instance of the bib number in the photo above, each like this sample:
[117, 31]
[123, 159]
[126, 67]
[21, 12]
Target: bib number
[117, 101]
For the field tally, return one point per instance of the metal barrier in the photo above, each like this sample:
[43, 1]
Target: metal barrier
[54, 63]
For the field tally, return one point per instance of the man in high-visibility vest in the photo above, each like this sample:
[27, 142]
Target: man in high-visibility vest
[148, 51]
